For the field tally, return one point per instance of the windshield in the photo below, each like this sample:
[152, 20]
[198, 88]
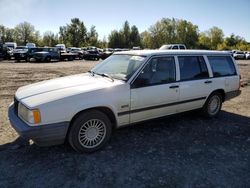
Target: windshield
[120, 67]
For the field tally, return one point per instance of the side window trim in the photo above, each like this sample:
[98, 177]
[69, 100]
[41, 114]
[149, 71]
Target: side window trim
[210, 72]
[177, 69]
[146, 63]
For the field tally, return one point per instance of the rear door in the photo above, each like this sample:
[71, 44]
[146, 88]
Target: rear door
[195, 83]
[154, 92]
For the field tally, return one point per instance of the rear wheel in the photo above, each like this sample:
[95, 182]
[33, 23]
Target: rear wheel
[213, 105]
[90, 131]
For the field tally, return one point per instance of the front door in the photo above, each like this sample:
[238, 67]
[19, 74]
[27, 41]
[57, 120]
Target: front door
[155, 91]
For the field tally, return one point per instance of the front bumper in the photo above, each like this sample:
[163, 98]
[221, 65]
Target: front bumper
[42, 135]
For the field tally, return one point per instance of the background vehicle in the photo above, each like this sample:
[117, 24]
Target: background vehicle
[27, 54]
[79, 53]
[106, 53]
[11, 45]
[5, 52]
[61, 48]
[247, 55]
[173, 47]
[136, 48]
[31, 45]
[92, 53]
[47, 54]
[239, 55]
[20, 53]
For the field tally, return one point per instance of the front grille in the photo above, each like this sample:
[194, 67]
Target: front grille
[16, 106]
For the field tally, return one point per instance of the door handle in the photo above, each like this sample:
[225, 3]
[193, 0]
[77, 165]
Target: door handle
[208, 82]
[173, 86]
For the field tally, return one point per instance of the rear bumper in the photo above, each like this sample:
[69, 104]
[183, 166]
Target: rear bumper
[42, 135]
[232, 94]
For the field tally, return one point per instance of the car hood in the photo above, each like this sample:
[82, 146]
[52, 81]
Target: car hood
[65, 86]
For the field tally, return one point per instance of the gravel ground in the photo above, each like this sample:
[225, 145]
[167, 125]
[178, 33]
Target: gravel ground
[184, 150]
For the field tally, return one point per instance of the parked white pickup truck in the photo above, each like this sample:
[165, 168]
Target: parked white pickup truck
[128, 87]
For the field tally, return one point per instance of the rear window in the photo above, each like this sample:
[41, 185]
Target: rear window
[222, 66]
[192, 68]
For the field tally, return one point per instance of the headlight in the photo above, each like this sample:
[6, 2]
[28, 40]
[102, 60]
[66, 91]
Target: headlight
[31, 116]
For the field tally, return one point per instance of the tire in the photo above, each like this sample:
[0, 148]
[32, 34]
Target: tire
[48, 59]
[70, 58]
[213, 105]
[90, 131]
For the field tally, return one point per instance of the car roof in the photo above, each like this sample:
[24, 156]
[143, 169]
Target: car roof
[172, 52]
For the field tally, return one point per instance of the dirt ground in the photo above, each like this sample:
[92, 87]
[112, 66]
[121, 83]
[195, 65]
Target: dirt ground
[185, 150]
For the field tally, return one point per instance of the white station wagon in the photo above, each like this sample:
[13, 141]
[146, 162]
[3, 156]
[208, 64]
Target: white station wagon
[126, 88]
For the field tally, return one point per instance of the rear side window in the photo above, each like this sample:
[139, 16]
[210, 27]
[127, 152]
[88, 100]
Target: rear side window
[192, 68]
[222, 66]
[182, 47]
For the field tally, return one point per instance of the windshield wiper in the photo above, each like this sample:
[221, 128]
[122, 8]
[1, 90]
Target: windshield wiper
[105, 75]
[91, 72]
[101, 74]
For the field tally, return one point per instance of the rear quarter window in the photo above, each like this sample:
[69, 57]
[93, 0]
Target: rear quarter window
[222, 66]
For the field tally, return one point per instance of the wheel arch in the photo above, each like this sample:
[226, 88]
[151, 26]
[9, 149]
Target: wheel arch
[221, 91]
[106, 110]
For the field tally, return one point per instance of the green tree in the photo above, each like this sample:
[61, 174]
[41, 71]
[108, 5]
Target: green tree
[2, 33]
[212, 39]
[92, 37]
[126, 34]
[169, 31]
[63, 35]
[146, 40]
[24, 32]
[204, 41]
[135, 39]
[50, 39]
[216, 36]
[103, 43]
[187, 33]
[74, 34]
[116, 39]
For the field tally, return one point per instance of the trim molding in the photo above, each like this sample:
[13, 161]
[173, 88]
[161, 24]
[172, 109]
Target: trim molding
[159, 106]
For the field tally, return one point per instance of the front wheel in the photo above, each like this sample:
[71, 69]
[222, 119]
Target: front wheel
[48, 59]
[90, 131]
[213, 105]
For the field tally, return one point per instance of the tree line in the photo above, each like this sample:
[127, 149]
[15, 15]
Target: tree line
[164, 31]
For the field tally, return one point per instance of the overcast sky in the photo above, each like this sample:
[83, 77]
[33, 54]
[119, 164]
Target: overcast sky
[230, 15]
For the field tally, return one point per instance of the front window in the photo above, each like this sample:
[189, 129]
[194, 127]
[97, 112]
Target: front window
[120, 67]
[160, 70]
